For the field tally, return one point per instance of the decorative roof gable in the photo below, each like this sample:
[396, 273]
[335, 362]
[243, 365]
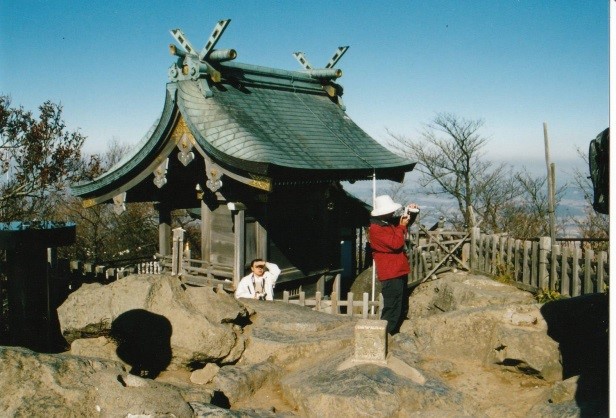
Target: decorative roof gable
[258, 125]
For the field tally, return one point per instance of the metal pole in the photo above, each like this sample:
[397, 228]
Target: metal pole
[550, 184]
[373, 264]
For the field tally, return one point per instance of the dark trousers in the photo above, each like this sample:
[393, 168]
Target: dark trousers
[395, 302]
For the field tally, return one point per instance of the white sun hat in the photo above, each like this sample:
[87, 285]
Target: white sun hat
[384, 205]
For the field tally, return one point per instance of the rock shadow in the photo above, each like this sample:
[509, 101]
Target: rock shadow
[144, 341]
[580, 326]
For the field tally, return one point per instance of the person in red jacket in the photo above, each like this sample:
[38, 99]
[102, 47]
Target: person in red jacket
[387, 232]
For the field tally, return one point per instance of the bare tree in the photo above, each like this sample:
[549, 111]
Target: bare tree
[450, 160]
[527, 216]
[593, 224]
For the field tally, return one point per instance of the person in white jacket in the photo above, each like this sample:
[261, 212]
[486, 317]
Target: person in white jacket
[259, 284]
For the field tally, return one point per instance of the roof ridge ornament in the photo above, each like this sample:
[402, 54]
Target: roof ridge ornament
[327, 72]
[192, 65]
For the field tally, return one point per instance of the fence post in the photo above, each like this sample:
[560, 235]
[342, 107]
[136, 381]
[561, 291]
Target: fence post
[516, 260]
[502, 241]
[364, 306]
[544, 249]
[510, 247]
[186, 256]
[285, 296]
[525, 256]
[334, 298]
[600, 275]
[588, 285]
[494, 249]
[176, 254]
[554, 276]
[302, 298]
[350, 304]
[534, 264]
[317, 301]
[472, 255]
[575, 272]
[565, 277]
[336, 285]
[321, 284]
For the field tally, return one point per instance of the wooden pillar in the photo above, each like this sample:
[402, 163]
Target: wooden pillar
[206, 232]
[164, 228]
[177, 259]
[261, 241]
[239, 255]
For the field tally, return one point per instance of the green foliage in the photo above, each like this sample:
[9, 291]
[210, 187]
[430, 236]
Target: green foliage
[546, 295]
[38, 156]
[102, 234]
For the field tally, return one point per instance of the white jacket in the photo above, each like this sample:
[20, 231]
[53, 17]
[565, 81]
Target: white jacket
[246, 286]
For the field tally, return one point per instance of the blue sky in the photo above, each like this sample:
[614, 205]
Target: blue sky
[513, 63]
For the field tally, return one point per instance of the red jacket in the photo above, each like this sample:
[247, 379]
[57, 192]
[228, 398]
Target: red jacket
[388, 251]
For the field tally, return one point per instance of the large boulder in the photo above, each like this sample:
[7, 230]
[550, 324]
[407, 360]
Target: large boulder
[289, 333]
[157, 318]
[456, 291]
[462, 316]
[369, 390]
[58, 385]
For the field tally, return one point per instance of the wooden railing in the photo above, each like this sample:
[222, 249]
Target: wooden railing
[364, 307]
[537, 264]
[568, 266]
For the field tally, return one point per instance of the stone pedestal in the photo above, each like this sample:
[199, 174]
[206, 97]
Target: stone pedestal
[371, 341]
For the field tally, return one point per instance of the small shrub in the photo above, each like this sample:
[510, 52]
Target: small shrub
[501, 275]
[546, 295]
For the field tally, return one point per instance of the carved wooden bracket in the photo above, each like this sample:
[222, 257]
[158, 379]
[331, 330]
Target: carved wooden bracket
[214, 175]
[118, 203]
[160, 174]
[185, 146]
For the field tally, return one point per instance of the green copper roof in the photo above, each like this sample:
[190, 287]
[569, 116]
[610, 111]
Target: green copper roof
[284, 119]
[275, 123]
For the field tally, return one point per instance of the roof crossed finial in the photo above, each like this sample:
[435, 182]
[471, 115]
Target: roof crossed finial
[328, 71]
[191, 64]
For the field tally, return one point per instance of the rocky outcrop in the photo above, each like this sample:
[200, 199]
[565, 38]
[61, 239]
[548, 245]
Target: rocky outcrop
[471, 348]
[158, 320]
[463, 316]
[369, 390]
[458, 291]
[61, 385]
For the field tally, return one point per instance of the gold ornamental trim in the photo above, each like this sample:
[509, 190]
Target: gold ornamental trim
[262, 183]
[181, 132]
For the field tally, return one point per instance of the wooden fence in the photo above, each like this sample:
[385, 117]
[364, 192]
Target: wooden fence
[567, 267]
[364, 307]
[571, 270]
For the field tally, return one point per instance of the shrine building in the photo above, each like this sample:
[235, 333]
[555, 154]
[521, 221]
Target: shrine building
[262, 153]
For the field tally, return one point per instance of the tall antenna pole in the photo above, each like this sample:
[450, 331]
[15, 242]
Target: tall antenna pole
[551, 184]
[373, 263]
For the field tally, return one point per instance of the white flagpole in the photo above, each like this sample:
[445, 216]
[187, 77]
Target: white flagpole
[373, 264]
